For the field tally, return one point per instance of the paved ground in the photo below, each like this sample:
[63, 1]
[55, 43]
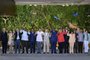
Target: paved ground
[45, 57]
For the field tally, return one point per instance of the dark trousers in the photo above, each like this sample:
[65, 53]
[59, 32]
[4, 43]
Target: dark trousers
[53, 47]
[66, 47]
[76, 47]
[39, 47]
[24, 45]
[80, 47]
[61, 47]
[32, 47]
[4, 47]
[17, 46]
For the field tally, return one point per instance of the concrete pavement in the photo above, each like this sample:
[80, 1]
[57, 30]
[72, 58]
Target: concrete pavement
[45, 57]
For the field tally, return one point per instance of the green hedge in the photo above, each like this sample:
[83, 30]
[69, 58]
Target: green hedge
[43, 17]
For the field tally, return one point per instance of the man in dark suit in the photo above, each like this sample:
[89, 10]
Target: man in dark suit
[17, 40]
[4, 39]
[32, 40]
[53, 41]
[66, 43]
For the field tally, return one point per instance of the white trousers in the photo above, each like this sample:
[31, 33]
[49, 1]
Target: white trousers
[71, 47]
[46, 46]
[86, 47]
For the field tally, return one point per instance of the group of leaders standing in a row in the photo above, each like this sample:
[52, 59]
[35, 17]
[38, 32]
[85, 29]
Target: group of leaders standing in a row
[67, 41]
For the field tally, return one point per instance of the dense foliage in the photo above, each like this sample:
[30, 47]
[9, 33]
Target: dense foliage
[46, 16]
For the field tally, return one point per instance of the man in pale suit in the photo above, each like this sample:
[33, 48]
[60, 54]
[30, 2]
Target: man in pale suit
[46, 41]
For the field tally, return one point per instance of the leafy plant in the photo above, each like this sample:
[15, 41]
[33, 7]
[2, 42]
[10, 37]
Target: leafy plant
[42, 16]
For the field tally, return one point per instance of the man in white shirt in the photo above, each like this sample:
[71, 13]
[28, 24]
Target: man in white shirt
[89, 39]
[39, 40]
[24, 40]
[86, 41]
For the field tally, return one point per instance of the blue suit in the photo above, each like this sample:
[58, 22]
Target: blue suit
[32, 42]
[4, 39]
[53, 41]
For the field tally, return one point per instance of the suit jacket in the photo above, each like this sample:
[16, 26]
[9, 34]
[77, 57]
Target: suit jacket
[53, 37]
[4, 37]
[31, 37]
[15, 34]
[66, 37]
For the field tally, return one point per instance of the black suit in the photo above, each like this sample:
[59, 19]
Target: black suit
[66, 44]
[4, 39]
[15, 34]
[76, 44]
[17, 41]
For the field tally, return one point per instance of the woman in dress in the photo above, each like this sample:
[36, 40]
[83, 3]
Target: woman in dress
[10, 41]
[72, 39]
